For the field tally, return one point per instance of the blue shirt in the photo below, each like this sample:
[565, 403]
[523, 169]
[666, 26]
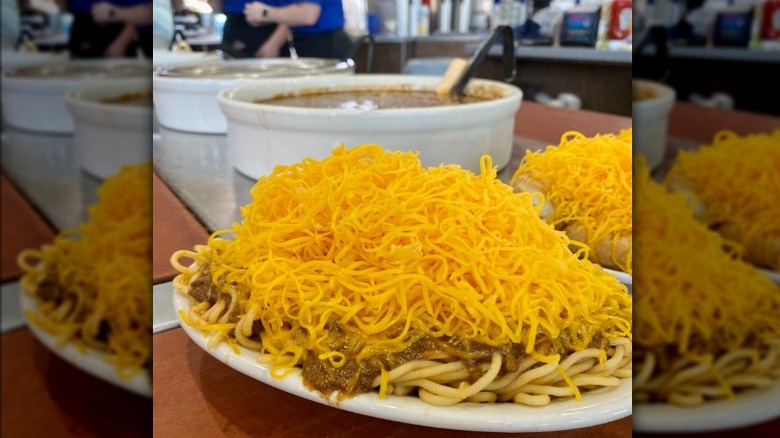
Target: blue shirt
[237, 6]
[331, 16]
[85, 6]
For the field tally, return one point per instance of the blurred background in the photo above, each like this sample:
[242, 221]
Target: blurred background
[723, 53]
[705, 85]
[568, 51]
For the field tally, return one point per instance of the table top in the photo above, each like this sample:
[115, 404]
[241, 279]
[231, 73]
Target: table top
[18, 214]
[45, 396]
[694, 123]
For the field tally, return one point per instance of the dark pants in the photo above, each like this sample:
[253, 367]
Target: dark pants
[241, 40]
[90, 40]
[145, 40]
[334, 44]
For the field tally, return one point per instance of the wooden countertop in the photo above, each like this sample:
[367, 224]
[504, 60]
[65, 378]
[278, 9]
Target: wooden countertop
[695, 123]
[42, 395]
[18, 214]
[547, 124]
[174, 228]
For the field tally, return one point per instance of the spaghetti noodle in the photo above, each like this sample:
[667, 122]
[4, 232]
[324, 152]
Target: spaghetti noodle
[707, 324]
[92, 284]
[371, 273]
[586, 186]
[737, 181]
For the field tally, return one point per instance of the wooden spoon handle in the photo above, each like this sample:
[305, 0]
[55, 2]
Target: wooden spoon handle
[452, 75]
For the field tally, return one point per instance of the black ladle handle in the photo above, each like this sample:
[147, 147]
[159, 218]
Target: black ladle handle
[508, 56]
[659, 37]
[24, 36]
[178, 36]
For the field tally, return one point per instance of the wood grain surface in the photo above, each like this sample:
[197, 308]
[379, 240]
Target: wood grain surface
[696, 123]
[173, 228]
[548, 124]
[22, 227]
[44, 396]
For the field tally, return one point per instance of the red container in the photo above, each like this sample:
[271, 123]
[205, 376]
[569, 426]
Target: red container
[620, 20]
[770, 25]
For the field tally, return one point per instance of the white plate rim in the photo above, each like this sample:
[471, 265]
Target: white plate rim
[92, 362]
[748, 408]
[599, 407]
[774, 275]
[623, 277]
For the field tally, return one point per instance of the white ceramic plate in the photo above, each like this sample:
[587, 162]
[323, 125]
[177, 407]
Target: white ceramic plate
[92, 362]
[598, 407]
[774, 275]
[622, 277]
[748, 408]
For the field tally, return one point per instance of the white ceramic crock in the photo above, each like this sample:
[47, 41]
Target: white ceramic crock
[12, 59]
[262, 136]
[650, 120]
[109, 135]
[166, 58]
[32, 97]
[185, 96]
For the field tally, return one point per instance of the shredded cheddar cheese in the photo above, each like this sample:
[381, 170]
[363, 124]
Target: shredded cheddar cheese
[587, 180]
[737, 180]
[372, 244]
[93, 283]
[690, 293]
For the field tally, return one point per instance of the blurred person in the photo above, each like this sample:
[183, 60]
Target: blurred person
[113, 29]
[242, 39]
[317, 26]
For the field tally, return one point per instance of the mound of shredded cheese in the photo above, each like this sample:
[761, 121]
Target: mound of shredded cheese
[690, 293]
[105, 264]
[588, 181]
[738, 181]
[374, 242]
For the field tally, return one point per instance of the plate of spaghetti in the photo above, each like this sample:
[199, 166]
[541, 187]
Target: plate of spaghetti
[87, 297]
[584, 187]
[93, 361]
[431, 296]
[735, 185]
[707, 323]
